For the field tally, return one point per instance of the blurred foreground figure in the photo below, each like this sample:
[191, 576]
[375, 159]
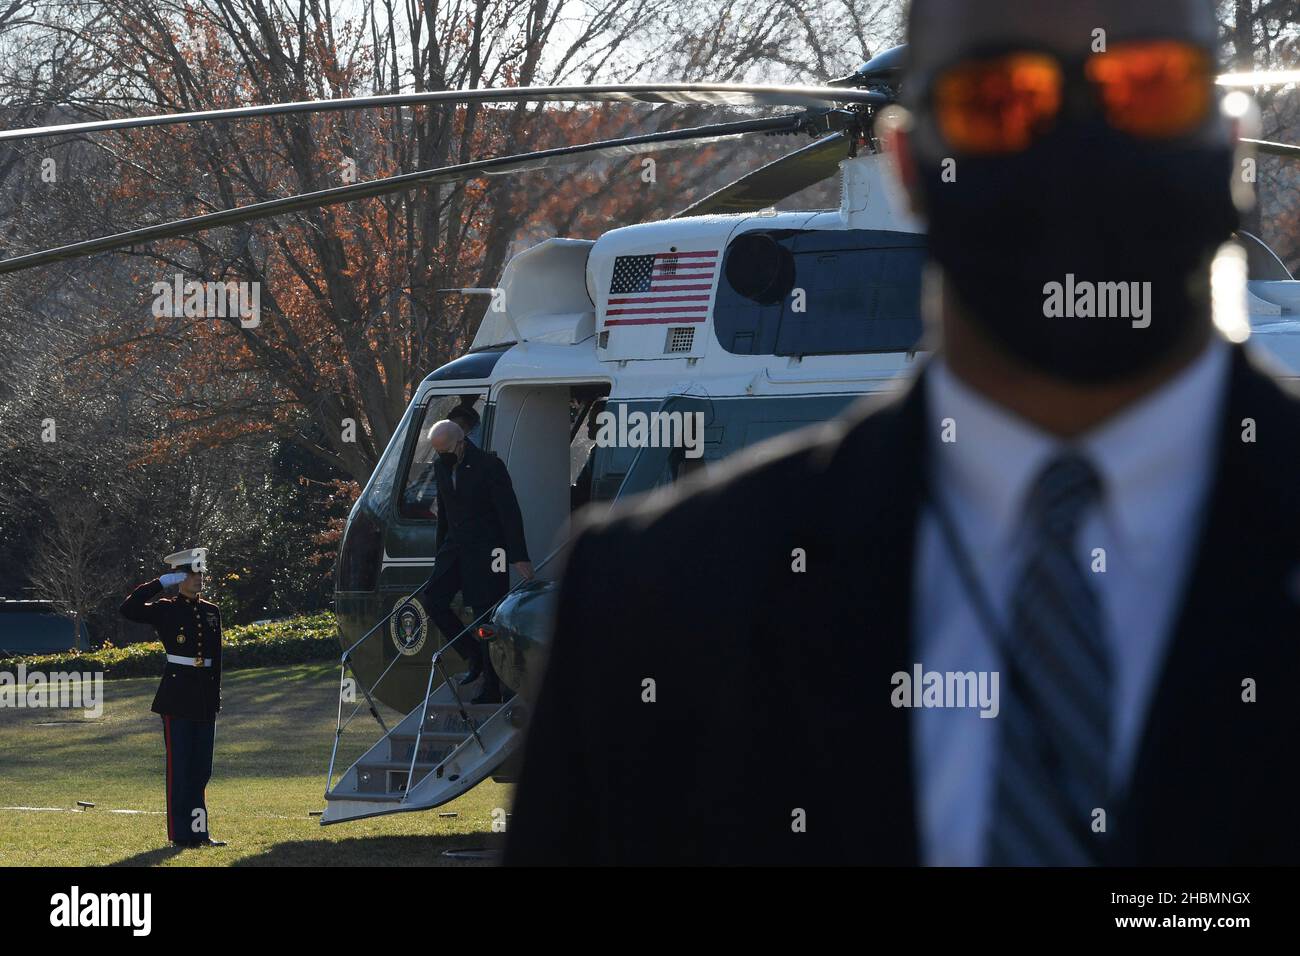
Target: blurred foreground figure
[1052, 592]
[189, 695]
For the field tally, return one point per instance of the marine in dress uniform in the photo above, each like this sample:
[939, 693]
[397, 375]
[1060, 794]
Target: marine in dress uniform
[189, 695]
[477, 513]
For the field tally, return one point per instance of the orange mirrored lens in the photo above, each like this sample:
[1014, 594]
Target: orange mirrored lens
[1157, 89]
[997, 105]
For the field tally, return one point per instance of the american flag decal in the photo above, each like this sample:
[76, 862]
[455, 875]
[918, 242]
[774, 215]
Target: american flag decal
[660, 288]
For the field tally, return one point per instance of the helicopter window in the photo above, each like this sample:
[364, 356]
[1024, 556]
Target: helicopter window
[420, 491]
[583, 442]
[586, 458]
[358, 564]
[852, 291]
[379, 490]
[760, 268]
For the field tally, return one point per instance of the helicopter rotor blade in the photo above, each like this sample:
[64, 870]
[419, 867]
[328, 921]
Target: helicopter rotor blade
[1284, 150]
[768, 185]
[1261, 79]
[497, 166]
[733, 94]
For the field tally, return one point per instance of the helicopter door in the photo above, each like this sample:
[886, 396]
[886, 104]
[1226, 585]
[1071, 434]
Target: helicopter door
[409, 541]
[531, 426]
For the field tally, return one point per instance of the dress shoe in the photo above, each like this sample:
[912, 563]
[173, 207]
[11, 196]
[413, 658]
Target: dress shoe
[211, 842]
[473, 674]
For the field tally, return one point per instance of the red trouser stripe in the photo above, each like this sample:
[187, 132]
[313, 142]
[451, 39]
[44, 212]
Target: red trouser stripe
[167, 737]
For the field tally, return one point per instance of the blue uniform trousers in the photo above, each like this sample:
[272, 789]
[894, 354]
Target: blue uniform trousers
[189, 768]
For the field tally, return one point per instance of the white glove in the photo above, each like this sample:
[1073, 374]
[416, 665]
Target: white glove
[175, 577]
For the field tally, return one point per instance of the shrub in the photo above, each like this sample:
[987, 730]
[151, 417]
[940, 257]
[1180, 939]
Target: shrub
[297, 640]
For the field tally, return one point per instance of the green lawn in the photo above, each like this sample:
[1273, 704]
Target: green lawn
[273, 745]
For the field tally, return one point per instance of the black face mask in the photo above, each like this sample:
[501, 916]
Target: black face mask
[1095, 204]
[447, 458]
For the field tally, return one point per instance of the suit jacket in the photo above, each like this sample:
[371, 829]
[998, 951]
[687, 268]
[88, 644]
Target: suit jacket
[477, 515]
[771, 688]
[183, 626]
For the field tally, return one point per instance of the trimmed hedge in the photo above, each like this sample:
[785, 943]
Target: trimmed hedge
[298, 640]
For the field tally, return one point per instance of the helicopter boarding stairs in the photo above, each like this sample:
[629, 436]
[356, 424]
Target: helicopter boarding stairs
[444, 747]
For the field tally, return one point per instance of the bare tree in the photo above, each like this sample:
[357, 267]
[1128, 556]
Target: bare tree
[71, 565]
[353, 316]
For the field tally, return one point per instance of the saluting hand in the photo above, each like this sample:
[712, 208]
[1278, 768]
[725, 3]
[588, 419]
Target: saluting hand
[175, 577]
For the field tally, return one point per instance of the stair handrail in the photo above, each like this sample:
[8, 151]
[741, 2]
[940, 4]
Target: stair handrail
[340, 725]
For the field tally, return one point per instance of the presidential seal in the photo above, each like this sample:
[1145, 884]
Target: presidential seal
[409, 626]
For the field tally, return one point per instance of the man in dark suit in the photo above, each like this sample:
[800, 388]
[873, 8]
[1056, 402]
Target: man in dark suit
[464, 416]
[189, 694]
[480, 537]
[1094, 519]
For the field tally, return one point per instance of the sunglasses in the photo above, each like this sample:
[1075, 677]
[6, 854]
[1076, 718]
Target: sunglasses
[1003, 103]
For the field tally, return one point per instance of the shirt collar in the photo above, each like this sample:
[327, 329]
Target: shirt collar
[1160, 445]
[981, 456]
[1158, 455]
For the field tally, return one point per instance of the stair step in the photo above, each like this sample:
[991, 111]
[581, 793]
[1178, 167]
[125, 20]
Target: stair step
[397, 764]
[452, 723]
[430, 750]
[362, 797]
[431, 736]
[477, 711]
[389, 776]
[428, 756]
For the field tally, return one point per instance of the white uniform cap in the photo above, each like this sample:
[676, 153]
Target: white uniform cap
[191, 559]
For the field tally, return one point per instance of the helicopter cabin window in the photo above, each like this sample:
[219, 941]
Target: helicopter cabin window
[820, 292]
[420, 491]
[586, 404]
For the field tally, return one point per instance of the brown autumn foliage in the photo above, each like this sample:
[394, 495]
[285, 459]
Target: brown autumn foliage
[351, 312]
[164, 418]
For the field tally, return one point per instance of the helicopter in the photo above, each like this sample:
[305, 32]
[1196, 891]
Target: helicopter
[689, 319]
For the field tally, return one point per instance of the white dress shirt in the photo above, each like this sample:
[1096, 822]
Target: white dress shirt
[1155, 461]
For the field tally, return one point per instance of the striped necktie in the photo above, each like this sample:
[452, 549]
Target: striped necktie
[1055, 712]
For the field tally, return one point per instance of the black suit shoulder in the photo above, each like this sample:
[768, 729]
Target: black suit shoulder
[1260, 398]
[777, 485]
[690, 548]
[1253, 506]
[706, 569]
[679, 616]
